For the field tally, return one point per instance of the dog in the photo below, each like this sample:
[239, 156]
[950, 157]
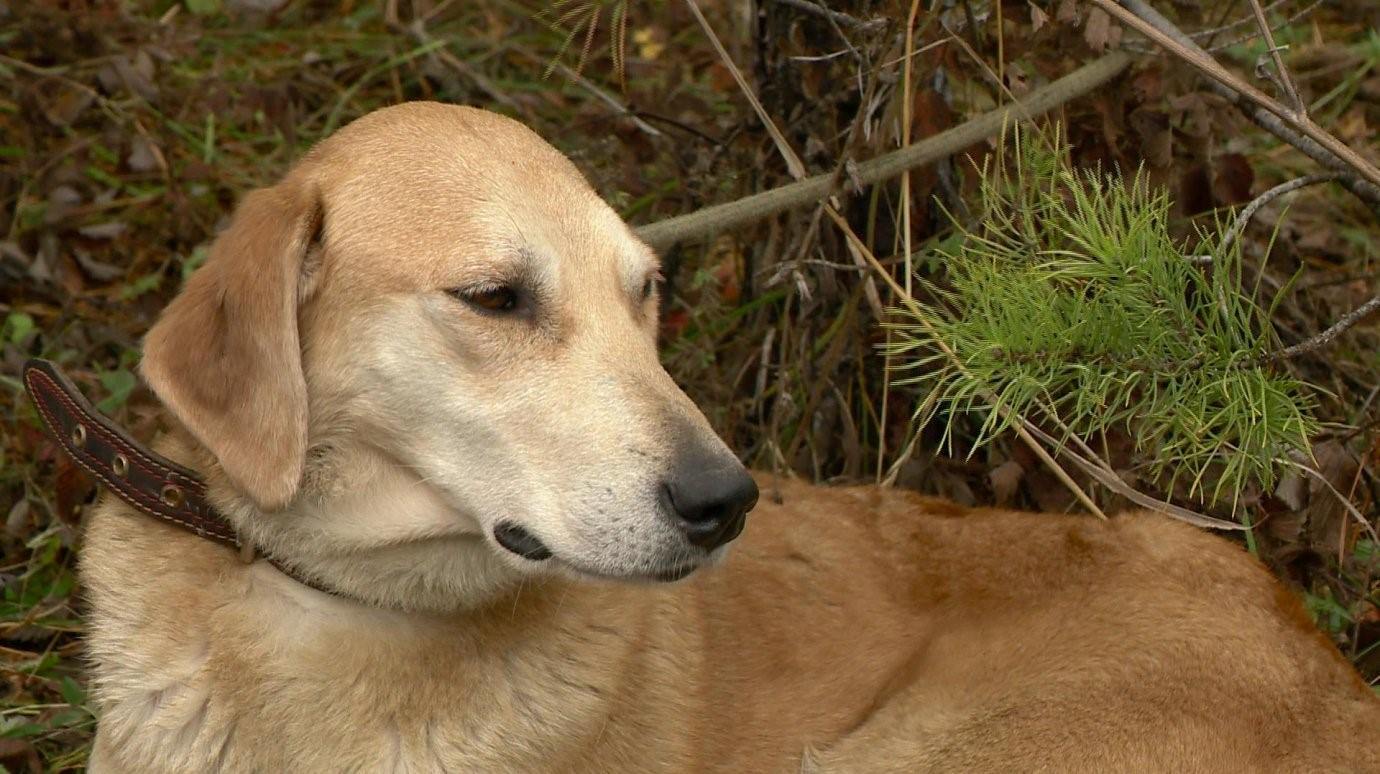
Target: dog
[420, 375]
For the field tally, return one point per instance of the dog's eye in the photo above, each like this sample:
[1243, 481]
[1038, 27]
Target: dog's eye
[649, 287]
[495, 298]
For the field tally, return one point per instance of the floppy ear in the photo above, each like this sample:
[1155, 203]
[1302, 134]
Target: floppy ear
[224, 356]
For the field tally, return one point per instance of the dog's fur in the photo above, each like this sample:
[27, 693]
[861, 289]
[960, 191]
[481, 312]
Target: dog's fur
[370, 428]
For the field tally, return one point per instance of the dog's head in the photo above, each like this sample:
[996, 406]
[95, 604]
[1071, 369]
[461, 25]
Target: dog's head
[425, 362]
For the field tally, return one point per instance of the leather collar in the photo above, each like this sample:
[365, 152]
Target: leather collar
[147, 481]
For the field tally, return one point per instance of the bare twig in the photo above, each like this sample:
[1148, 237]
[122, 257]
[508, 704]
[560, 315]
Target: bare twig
[1286, 21]
[837, 17]
[1286, 81]
[713, 219]
[418, 31]
[599, 94]
[1290, 19]
[1362, 188]
[1243, 218]
[1214, 31]
[1210, 33]
[793, 163]
[1323, 339]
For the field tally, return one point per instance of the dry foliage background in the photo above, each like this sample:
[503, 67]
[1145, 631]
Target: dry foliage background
[129, 129]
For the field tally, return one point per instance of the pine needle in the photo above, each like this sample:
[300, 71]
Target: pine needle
[1072, 301]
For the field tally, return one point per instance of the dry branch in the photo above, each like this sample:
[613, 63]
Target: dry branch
[713, 219]
[1326, 337]
[1243, 218]
[1286, 80]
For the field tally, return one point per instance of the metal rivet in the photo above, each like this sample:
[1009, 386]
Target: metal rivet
[120, 465]
[79, 435]
[172, 496]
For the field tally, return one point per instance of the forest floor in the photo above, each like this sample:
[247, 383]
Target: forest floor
[128, 129]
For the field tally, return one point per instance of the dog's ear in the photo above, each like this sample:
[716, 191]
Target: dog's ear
[224, 356]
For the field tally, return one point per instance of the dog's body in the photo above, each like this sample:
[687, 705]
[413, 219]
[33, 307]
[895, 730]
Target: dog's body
[887, 631]
[492, 481]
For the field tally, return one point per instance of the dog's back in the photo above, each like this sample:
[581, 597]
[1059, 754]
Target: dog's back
[1059, 642]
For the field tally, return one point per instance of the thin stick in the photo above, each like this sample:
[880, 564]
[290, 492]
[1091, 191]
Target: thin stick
[1293, 17]
[1286, 80]
[716, 218]
[418, 31]
[793, 163]
[599, 94]
[1338, 328]
[1323, 339]
[1366, 191]
[907, 105]
[837, 17]
[1243, 219]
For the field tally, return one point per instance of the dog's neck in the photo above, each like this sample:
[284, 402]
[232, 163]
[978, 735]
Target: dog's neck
[428, 557]
[204, 663]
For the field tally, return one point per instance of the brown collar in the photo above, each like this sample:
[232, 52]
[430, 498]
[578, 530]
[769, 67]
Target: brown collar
[151, 483]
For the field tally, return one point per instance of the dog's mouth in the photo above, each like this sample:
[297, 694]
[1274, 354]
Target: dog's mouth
[518, 540]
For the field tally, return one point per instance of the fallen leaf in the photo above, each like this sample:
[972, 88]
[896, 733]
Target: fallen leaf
[62, 102]
[107, 230]
[1068, 12]
[1292, 489]
[143, 155]
[133, 77]
[1148, 84]
[62, 200]
[1232, 179]
[98, 270]
[1156, 137]
[72, 487]
[1098, 30]
[1326, 515]
[1006, 479]
[17, 521]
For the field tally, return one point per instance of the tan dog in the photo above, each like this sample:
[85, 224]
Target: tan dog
[421, 371]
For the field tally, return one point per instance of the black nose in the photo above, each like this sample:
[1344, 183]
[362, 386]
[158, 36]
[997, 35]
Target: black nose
[711, 502]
